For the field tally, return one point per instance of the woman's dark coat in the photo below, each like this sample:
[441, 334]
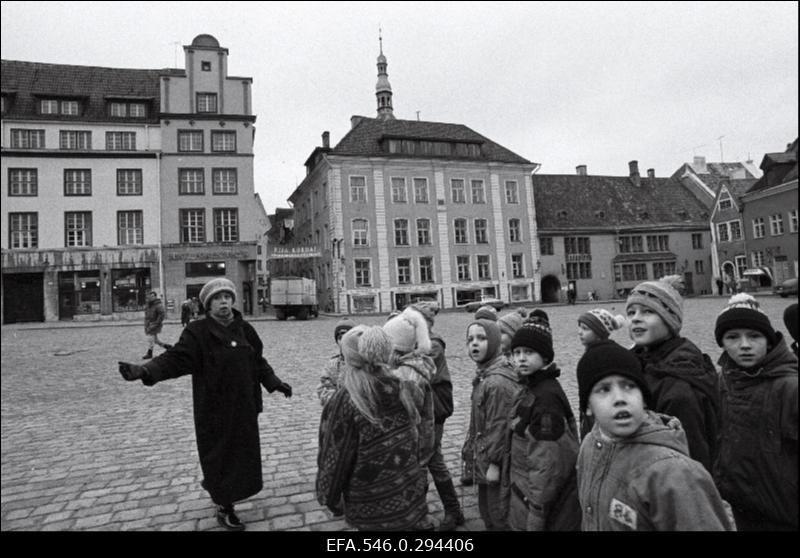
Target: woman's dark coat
[227, 370]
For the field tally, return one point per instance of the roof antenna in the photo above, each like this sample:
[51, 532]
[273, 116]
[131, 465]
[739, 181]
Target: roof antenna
[417, 116]
[177, 44]
[721, 158]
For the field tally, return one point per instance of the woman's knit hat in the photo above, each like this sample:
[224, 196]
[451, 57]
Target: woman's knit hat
[602, 322]
[605, 358]
[365, 347]
[409, 330]
[492, 337]
[342, 326]
[486, 312]
[216, 286]
[536, 336]
[511, 322]
[790, 320]
[743, 312]
[663, 299]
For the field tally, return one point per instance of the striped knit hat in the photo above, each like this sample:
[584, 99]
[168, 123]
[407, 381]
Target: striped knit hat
[535, 336]
[511, 322]
[601, 322]
[486, 313]
[743, 312]
[661, 298]
[216, 286]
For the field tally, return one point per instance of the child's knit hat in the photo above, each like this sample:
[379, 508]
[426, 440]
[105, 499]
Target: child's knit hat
[409, 330]
[364, 347]
[605, 358]
[602, 322]
[511, 322]
[216, 286]
[342, 326]
[790, 320]
[662, 298]
[492, 337]
[743, 311]
[486, 313]
[538, 316]
[536, 336]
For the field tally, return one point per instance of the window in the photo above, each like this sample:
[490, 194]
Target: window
[736, 230]
[722, 232]
[223, 141]
[514, 234]
[741, 264]
[119, 109]
[226, 225]
[399, 190]
[129, 182]
[224, 181]
[793, 221]
[401, 232]
[658, 269]
[579, 245]
[630, 244]
[776, 224]
[426, 270]
[48, 106]
[511, 191]
[193, 225]
[206, 102]
[457, 190]
[205, 66]
[697, 241]
[54, 106]
[190, 140]
[421, 190]
[483, 268]
[759, 228]
[478, 195]
[191, 181]
[77, 182]
[121, 141]
[27, 139]
[480, 232]
[579, 270]
[130, 228]
[403, 271]
[362, 273]
[129, 288]
[460, 229]
[725, 202]
[517, 266]
[360, 232]
[462, 267]
[23, 182]
[698, 267]
[657, 243]
[78, 228]
[23, 230]
[423, 232]
[757, 258]
[358, 189]
[546, 246]
[640, 270]
[73, 139]
[204, 269]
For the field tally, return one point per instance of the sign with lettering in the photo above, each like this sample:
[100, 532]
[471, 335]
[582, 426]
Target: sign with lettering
[283, 252]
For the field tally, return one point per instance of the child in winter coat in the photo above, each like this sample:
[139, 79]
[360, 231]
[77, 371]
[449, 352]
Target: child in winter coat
[543, 440]
[756, 470]
[493, 393]
[330, 379]
[634, 471]
[680, 377]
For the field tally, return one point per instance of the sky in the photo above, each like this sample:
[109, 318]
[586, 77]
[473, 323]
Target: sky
[562, 84]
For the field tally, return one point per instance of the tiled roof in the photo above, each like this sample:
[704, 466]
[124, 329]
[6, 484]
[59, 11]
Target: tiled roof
[26, 82]
[778, 168]
[365, 139]
[718, 173]
[608, 202]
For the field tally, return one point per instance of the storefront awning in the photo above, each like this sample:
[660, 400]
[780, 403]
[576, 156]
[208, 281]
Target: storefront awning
[756, 271]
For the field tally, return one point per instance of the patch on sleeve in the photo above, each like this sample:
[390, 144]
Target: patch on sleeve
[622, 513]
[548, 426]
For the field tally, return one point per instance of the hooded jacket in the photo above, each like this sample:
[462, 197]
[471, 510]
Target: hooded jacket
[415, 371]
[441, 383]
[153, 317]
[684, 384]
[647, 482]
[757, 466]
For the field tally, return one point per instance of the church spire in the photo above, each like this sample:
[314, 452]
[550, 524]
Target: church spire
[383, 90]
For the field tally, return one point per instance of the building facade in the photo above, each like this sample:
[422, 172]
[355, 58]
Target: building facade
[104, 194]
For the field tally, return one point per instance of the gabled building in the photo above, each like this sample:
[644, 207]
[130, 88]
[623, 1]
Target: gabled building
[704, 179]
[119, 181]
[605, 234]
[402, 210]
[770, 220]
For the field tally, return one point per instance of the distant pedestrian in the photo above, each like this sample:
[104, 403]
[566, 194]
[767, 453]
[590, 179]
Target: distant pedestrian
[634, 471]
[331, 378]
[756, 470]
[368, 461]
[153, 323]
[720, 285]
[186, 312]
[223, 354]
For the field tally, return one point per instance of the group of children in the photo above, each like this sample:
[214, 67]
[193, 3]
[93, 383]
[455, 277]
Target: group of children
[664, 441]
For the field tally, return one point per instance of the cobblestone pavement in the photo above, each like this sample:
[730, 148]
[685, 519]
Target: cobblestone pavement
[84, 450]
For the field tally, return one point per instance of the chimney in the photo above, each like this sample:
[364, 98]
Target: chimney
[699, 165]
[581, 170]
[634, 172]
[651, 173]
[355, 121]
[326, 139]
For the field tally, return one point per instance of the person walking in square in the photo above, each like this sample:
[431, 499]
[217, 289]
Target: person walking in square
[153, 323]
[756, 470]
[224, 356]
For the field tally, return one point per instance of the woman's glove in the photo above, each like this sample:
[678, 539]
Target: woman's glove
[130, 371]
[285, 389]
[493, 473]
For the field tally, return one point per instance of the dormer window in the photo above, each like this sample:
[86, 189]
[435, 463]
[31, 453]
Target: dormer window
[644, 215]
[124, 109]
[600, 214]
[725, 201]
[59, 106]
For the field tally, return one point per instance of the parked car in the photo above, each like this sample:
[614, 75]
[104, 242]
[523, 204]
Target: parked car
[788, 287]
[494, 302]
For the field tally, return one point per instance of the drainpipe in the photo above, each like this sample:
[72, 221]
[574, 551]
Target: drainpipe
[160, 236]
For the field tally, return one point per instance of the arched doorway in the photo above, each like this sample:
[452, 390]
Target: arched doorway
[551, 287]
